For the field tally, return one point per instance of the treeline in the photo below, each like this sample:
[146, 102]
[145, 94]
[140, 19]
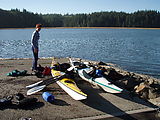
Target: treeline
[16, 19]
[21, 19]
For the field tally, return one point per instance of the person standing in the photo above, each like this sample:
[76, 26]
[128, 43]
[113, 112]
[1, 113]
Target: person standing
[35, 48]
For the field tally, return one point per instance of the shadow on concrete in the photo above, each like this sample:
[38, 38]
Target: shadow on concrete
[134, 98]
[99, 103]
[59, 102]
[26, 107]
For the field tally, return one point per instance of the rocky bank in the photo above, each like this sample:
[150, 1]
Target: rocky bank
[146, 87]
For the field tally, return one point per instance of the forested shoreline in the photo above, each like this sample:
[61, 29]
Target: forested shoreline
[15, 18]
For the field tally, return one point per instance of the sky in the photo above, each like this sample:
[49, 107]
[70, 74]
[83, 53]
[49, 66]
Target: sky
[80, 6]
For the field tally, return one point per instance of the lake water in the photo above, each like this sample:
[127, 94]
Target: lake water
[136, 50]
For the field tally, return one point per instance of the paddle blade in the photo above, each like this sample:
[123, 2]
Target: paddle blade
[33, 85]
[42, 82]
[35, 89]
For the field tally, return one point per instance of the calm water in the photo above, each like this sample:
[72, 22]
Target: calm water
[136, 50]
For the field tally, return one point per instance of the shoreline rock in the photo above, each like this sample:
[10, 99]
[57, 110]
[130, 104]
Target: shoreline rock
[145, 86]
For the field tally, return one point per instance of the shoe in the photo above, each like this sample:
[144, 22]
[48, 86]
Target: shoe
[6, 101]
[19, 96]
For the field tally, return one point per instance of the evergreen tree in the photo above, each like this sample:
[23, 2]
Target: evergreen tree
[15, 18]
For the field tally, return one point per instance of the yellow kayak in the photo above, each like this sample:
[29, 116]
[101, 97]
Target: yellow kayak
[68, 85]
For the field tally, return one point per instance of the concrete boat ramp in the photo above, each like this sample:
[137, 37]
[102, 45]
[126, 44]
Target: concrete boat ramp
[101, 105]
[98, 105]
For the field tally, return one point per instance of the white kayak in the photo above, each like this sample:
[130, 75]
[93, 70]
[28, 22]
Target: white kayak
[100, 81]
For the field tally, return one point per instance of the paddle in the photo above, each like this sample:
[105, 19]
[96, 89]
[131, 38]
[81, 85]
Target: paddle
[36, 87]
[39, 83]
[48, 81]
[40, 86]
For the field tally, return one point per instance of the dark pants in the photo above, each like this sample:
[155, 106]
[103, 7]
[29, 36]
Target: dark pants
[35, 59]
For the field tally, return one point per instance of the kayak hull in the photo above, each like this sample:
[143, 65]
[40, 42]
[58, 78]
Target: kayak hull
[69, 86]
[100, 81]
